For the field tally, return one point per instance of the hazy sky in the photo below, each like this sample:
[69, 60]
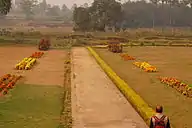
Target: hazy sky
[69, 3]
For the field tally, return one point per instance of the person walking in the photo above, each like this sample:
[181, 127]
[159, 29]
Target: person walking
[159, 120]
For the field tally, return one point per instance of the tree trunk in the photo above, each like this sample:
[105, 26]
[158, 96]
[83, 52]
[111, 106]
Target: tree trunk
[163, 27]
[153, 19]
[170, 16]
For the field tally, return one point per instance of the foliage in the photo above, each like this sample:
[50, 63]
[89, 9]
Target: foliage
[53, 11]
[101, 14]
[27, 7]
[82, 18]
[183, 88]
[131, 14]
[40, 9]
[157, 14]
[5, 6]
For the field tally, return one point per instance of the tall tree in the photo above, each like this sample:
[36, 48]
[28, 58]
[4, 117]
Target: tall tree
[5, 6]
[81, 18]
[155, 2]
[105, 13]
[66, 13]
[73, 7]
[54, 11]
[43, 7]
[85, 5]
[27, 6]
[64, 8]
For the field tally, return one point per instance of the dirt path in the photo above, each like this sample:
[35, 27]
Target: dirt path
[96, 102]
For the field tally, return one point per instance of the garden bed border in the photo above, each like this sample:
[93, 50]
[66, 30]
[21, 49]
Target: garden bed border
[136, 101]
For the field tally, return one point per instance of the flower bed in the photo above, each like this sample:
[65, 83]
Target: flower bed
[7, 82]
[37, 55]
[126, 57]
[25, 64]
[181, 87]
[145, 66]
[138, 103]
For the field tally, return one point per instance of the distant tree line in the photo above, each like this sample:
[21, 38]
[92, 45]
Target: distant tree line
[110, 13]
[132, 14]
[33, 8]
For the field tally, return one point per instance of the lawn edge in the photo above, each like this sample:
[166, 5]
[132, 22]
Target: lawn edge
[65, 115]
[136, 101]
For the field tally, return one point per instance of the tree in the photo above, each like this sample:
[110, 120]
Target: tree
[81, 18]
[5, 6]
[18, 3]
[64, 8]
[172, 4]
[27, 6]
[66, 13]
[155, 2]
[135, 14]
[85, 5]
[105, 13]
[53, 11]
[43, 7]
[73, 7]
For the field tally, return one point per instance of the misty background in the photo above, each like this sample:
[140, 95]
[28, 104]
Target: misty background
[68, 3]
[90, 15]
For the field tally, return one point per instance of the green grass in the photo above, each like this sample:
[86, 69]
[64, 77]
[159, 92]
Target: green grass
[170, 62]
[31, 106]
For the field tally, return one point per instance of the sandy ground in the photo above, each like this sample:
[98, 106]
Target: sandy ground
[96, 102]
[10, 56]
[49, 69]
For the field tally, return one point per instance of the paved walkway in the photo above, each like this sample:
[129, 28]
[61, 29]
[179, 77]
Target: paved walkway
[96, 102]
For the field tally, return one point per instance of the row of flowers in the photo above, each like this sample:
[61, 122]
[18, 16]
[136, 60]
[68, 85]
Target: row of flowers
[145, 66]
[126, 57]
[28, 62]
[37, 55]
[7, 82]
[180, 86]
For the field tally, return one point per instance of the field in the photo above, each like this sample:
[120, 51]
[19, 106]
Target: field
[37, 99]
[170, 62]
[42, 98]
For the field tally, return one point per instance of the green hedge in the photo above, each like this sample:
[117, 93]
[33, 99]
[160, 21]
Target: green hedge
[137, 102]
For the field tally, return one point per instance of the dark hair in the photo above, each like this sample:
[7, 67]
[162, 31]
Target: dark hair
[159, 109]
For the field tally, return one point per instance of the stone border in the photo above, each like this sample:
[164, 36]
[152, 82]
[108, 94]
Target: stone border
[137, 102]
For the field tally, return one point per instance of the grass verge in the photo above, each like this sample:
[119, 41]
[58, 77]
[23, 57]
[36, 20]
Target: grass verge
[66, 117]
[31, 106]
[170, 62]
[138, 103]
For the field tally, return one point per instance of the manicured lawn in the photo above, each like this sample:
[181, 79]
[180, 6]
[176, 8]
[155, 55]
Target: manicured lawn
[31, 106]
[171, 62]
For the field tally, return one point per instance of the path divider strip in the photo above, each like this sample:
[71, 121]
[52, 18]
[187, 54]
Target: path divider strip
[137, 102]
